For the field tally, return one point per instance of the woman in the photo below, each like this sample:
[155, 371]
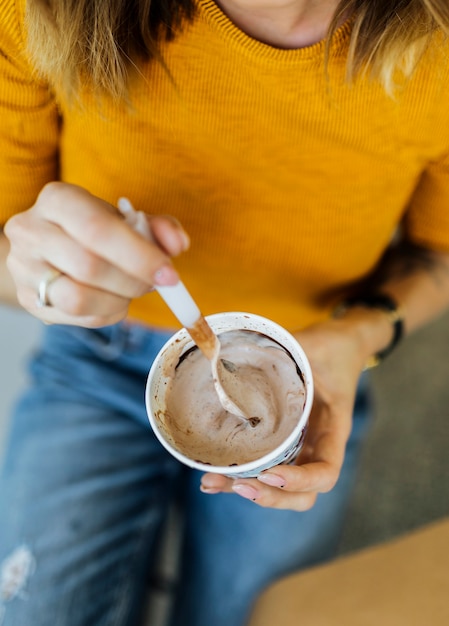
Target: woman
[294, 141]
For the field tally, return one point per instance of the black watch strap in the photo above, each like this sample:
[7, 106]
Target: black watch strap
[384, 303]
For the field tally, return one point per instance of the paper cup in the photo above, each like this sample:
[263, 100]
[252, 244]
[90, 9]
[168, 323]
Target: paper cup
[162, 371]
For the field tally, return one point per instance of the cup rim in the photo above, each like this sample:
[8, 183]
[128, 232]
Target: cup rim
[264, 461]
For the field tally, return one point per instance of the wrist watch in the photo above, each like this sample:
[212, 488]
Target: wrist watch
[381, 302]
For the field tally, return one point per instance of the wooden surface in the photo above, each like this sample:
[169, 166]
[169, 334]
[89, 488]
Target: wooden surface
[402, 583]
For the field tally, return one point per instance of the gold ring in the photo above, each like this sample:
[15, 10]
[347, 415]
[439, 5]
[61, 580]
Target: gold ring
[44, 284]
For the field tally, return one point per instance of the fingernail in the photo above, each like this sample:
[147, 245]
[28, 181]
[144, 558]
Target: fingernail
[246, 491]
[272, 479]
[185, 239]
[166, 275]
[184, 236]
[209, 489]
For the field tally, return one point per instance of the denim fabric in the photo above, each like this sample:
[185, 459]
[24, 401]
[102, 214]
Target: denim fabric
[86, 487]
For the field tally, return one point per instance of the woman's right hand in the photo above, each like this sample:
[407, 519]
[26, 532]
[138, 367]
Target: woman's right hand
[103, 262]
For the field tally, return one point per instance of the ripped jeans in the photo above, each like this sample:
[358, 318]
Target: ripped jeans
[86, 487]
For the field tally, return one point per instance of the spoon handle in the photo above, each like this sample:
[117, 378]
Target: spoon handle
[177, 297]
[182, 305]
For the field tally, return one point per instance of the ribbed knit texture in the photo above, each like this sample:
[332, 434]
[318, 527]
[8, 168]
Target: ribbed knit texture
[290, 183]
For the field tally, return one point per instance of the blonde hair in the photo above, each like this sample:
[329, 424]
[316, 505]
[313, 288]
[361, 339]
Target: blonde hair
[99, 42]
[72, 42]
[390, 35]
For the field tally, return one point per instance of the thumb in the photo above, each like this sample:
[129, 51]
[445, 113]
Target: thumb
[169, 234]
[163, 230]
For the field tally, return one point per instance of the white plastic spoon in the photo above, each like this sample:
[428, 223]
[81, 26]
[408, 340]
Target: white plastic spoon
[182, 305]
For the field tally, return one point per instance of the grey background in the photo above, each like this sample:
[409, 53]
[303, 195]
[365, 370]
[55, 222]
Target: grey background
[404, 477]
[19, 333]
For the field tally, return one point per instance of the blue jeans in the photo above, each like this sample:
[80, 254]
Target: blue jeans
[85, 490]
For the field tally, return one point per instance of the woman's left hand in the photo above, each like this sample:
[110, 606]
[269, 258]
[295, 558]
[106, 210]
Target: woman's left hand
[337, 359]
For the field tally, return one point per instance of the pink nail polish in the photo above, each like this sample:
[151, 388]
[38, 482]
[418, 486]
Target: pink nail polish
[246, 491]
[209, 489]
[185, 240]
[272, 479]
[166, 275]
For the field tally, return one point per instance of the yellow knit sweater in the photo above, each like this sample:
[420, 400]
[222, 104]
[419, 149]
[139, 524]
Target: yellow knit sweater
[289, 184]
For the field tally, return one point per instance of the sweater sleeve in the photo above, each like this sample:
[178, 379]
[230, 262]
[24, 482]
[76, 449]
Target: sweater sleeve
[29, 121]
[427, 219]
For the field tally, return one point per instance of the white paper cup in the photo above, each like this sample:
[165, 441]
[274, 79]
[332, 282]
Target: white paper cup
[162, 370]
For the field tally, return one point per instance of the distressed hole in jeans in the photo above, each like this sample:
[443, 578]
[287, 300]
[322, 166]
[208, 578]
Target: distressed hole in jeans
[15, 572]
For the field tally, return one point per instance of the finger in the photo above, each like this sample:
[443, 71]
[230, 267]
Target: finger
[263, 495]
[50, 315]
[216, 483]
[68, 299]
[87, 268]
[71, 302]
[99, 228]
[310, 478]
[269, 497]
[317, 470]
[53, 315]
[169, 234]
[35, 242]
[318, 476]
